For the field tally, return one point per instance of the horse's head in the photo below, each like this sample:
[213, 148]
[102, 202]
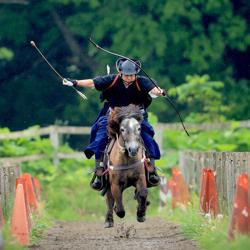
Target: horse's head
[126, 122]
[130, 131]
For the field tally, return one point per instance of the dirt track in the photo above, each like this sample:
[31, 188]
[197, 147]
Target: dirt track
[155, 233]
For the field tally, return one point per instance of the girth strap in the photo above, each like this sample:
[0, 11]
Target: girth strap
[125, 167]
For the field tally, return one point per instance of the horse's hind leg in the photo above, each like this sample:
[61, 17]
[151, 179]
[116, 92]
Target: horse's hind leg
[109, 221]
[141, 196]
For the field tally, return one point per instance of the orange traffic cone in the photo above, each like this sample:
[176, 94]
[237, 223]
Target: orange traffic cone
[23, 182]
[19, 220]
[177, 185]
[30, 190]
[240, 220]
[208, 194]
[37, 187]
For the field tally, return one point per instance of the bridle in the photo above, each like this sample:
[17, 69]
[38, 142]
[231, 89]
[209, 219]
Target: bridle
[121, 148]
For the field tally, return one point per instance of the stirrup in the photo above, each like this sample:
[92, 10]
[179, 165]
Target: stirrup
[97, 181]
[94, 182]
[152, 177]
[97, 184]
[152, 182]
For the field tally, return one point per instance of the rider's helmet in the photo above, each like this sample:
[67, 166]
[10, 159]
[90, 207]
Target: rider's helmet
[127, 67]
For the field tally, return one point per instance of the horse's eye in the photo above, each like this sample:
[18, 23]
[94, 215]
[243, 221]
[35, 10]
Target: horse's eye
[122, 129]
[139, 129]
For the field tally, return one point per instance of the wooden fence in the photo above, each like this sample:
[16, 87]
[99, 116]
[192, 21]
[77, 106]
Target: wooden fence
[54, 133]
[8, 175]
[227, 165]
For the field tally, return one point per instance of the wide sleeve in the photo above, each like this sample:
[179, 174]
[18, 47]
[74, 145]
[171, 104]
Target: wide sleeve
[145, 84]
[103, 82]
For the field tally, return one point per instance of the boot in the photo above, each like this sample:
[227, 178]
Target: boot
[153, 176]
[97, 184]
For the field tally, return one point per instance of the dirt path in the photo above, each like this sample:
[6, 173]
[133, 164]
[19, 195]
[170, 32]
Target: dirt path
[155, 233]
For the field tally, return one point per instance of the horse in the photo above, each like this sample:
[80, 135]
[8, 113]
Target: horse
[125, 162]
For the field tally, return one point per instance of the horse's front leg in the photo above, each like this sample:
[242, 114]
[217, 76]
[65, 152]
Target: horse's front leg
[141, 197]
[117, 194]
[109, 221]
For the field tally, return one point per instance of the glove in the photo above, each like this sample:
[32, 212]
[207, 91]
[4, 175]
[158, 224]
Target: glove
[69, 82]
[163, 92]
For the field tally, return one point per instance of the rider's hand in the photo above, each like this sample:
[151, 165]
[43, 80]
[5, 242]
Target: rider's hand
[163, 92]
[69, 82]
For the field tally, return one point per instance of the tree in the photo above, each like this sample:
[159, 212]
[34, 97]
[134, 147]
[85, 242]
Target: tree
[171, 38]
[203, 97]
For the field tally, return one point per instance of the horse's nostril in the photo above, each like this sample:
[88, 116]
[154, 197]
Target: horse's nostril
[133, 150]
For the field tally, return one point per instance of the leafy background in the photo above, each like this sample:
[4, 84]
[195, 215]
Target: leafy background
[173, 39]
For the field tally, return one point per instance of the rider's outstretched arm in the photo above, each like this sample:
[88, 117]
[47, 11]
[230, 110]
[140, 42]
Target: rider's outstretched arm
[87, 83]
[155, 92]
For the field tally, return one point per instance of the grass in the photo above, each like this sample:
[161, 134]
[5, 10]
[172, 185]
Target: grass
[210, 233]
[40, 222]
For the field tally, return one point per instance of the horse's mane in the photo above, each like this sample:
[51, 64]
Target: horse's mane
[120, 113]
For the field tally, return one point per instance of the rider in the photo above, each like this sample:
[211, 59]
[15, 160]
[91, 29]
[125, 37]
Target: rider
[121, 90]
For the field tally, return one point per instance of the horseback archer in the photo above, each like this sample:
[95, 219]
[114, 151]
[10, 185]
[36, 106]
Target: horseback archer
[118, 90]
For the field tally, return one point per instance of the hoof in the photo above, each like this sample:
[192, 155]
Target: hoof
[141, 219]
[108, 224]
[120, 214]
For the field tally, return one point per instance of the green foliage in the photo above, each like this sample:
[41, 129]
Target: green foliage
[25, 146]
[152, 118]
[203, 96]
[44, 170]
[5, 53]
[41, 221]
[234, 139]
[10, 243]
[172, 39]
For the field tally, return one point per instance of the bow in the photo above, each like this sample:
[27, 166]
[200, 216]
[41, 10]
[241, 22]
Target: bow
[127, 58]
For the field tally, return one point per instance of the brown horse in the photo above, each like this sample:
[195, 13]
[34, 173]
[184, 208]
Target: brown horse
[126, 162]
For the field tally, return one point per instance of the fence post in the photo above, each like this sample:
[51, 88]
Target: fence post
[228, 166]
[54, 140]
[2, 186]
